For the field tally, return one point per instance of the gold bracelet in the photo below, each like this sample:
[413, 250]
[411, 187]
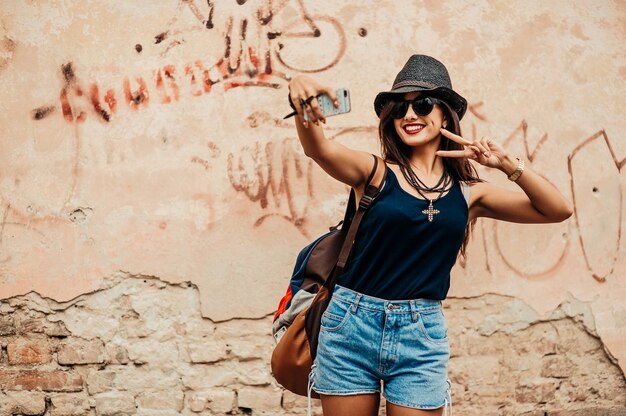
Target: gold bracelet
[520, 168]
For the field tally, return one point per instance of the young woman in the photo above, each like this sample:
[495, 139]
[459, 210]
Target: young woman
[385, 322]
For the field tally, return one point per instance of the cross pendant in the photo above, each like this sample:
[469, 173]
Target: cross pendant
[430, 211]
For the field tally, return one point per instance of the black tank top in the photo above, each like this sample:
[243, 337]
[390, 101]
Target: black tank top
[398, 254]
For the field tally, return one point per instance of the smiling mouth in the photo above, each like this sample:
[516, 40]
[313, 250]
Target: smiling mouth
[413, 128]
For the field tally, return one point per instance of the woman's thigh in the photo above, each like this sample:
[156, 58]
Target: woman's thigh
[368, 405]
[353, 405]
[395, 410]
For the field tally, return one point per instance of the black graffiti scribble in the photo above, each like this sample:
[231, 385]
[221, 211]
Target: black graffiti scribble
[285, 35]
[41, 112]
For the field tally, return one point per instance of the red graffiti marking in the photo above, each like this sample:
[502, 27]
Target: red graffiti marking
[245, 66]
[165, 84]
[65, 106]
[547, 267]
[194, 83]
[165, 99]
[588, 183]
[473, 109]
[523, 128]
[110, 100]
[597, 213]
[206, 79]
[95, 101]
[199, 160]
[275, 172]
[255, 173]
[136, 98]
[169, 71]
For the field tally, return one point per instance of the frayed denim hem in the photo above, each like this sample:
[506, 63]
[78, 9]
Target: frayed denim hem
[447, 404]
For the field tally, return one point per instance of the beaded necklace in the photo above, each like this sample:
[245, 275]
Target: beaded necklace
[443, 185]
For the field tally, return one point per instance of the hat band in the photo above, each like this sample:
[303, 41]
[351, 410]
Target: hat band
[413, 84]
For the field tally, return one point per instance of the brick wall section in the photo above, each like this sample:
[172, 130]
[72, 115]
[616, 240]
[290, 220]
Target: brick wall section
[141, 347]
[29, 352]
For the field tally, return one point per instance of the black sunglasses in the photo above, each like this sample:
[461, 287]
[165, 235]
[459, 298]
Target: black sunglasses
[422, 106]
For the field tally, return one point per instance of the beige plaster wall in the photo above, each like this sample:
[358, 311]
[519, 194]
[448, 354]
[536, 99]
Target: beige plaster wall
[147, 138]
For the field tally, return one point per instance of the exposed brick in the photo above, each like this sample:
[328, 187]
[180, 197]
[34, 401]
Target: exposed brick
[134, 327]
[208, 351]
[557, 366]
[261, 399]
[254, 373]
[69, 405]
[40, 380]
[197, 402]
[132, 378]
[249, 347]
[164, 399]
[295, 404]
[115, 404]
[7, 325]
[539, 392]
[80, 351]
[201, 376]
[31, 325]
[24, 403]
[591, 411]
[56, 329]
[29, 352]
[116, 354]
[99, 381]
[219, 401]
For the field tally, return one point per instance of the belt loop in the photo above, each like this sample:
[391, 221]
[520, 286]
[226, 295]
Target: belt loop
[414, 312]
[355, 304]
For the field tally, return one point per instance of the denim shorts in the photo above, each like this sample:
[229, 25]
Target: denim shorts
[365, 341]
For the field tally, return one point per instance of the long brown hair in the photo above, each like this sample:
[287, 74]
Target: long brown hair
[395, 150]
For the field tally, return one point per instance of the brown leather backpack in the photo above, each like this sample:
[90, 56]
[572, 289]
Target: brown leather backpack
[295, 352]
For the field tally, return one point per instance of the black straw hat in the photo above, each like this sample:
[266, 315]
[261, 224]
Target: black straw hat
[423, 73]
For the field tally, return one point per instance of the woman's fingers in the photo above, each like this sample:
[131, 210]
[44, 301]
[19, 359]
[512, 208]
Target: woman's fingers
[333, 96]
[456, 153]
[315, 108]
[470, 152]
[455, 137]
[478, 147]
[485, 142]
[304, 92]
[295, 99]
[482, 146]
[307, 106]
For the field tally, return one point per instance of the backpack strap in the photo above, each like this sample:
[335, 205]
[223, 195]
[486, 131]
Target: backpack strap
[371, 192]
[350, 209]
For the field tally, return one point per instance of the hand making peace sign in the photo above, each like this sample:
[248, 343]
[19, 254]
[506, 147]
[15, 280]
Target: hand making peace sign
[485, 151]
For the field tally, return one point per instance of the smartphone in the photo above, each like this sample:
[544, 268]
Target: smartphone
[327, 106]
